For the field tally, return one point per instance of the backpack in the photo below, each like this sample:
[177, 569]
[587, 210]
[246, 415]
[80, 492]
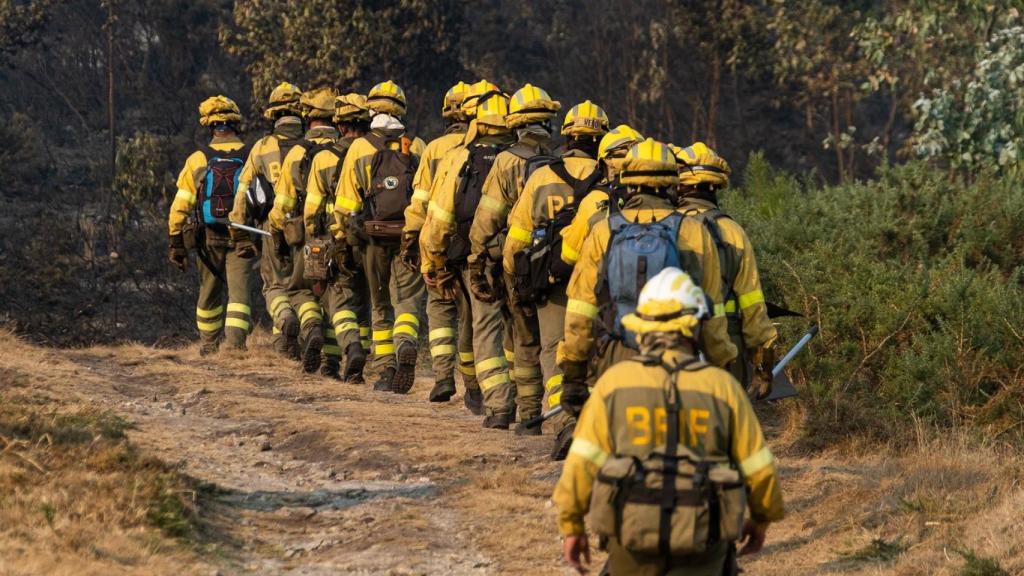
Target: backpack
[338, 149]
[636, 252]
[471, 182]
[710, 218]
[534, 163]
[220, 183]
[390, 191]
[673, 502]
[539, 266]
[259, 198]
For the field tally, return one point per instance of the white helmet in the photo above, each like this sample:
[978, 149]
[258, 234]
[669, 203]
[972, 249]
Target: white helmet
[669, 302]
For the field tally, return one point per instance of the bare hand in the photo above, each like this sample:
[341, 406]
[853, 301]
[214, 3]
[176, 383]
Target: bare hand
[753, 538]
[430, 280]
[573, 549]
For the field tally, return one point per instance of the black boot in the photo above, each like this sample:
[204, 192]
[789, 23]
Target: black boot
[290, 336]
[474, 400]
[443, 390]
[383, 382]
[498, 421]
[331, 368]
[532, 431]
[405, 377]
[562, 442]
[313, 344]
[355, 359]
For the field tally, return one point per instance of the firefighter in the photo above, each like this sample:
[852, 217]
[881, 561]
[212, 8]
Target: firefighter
[531, 111]
[611, 153]
[263, 167]
[461, 315]
[591, 323]
[715, 423]
[373, 191]
[545, 195]
[198, 221]
[454, 199]
[702, 173]
[288, 227]
[342, 293]
[442, 315]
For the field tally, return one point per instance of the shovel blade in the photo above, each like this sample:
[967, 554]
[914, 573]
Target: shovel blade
[782, 388]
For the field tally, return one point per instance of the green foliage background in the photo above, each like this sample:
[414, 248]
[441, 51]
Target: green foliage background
[915, 281]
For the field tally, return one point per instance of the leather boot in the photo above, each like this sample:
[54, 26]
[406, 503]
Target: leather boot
[405, 377]
[443, 390]
[383, 382]
[355, 360]
[498, 421]
[474, 400]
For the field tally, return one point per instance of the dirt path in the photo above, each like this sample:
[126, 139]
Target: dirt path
[318, 477]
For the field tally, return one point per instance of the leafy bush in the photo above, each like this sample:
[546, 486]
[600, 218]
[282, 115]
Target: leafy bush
[978, 122]
[143, 182]
[915, 281]
[23, 155]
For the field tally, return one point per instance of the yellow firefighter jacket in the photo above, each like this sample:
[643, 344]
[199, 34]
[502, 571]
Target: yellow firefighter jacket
[543, 196]
[501, 190]
[437, 235]
[698, 256]
[416, 213]
[264, 159]
[320, 186]
[191, 179]
[589, 211]
[355, 178]
[621, 418]
[290, 186]
[744, 300]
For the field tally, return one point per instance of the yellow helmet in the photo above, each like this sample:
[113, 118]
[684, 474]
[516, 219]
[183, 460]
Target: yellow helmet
[530, 105]
[649, 163]
[318, 104]
[617, 142]
[387, 98]
[218, 110]
[668, 302]
[699, 164]
[585, 119]
[284, 98]
[492, 109]
[452, 105]
[351, 108]
[473, 95]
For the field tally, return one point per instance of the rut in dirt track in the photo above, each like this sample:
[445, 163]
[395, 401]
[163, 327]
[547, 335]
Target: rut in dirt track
[314, 476]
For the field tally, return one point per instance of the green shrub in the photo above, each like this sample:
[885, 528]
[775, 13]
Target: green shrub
[916, 282]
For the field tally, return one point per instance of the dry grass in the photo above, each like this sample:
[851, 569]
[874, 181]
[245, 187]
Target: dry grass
[948, 505]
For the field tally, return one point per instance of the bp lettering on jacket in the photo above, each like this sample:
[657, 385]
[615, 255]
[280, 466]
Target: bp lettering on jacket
[647, 426]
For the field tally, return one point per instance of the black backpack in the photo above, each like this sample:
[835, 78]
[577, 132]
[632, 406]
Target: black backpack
[471, 182]
[391, 175]
[220, 183]
[540, 266]
[338, 149]
[259, 198]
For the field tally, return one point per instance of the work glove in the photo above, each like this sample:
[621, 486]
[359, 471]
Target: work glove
[176, 252]
[345, 257]
[281, 247]
[244, 247]
[409, 251]
[479, 284]
[574, 387]
[763, 360]
[446, 283]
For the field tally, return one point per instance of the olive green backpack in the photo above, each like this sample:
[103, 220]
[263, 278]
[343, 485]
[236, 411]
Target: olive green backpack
[672, 502]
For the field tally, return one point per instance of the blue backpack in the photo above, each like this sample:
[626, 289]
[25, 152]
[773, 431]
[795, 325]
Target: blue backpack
[217, 194]
[636, 252]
